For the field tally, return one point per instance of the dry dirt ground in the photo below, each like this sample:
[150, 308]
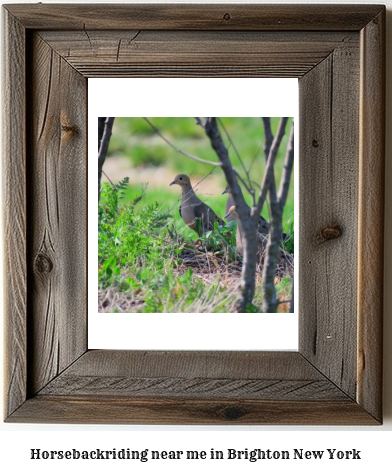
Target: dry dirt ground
[206, 267]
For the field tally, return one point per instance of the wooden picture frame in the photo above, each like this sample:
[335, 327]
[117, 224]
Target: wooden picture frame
[338, 54]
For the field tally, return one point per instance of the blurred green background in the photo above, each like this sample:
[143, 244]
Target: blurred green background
[138, 152]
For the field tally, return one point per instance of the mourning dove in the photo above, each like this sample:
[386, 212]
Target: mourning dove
[262, 226]
[262, 240]
[192, 208]
[285, 260]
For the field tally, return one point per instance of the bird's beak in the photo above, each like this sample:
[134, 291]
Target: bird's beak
[173, 182]
[227, 215]
[225, 191]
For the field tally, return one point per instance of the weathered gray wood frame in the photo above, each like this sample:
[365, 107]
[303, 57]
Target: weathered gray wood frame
[337, 52]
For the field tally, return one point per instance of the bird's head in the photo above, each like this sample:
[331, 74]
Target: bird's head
[181, 180]
[232, 212]
[227, 190]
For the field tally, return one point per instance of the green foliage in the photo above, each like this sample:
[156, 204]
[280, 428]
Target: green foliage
[251, 308]
[288, 227]
[138, 255]
[126, 237]
[284, 288]
[165, 291]
[284, 284]
[222, 238]
[169, 292]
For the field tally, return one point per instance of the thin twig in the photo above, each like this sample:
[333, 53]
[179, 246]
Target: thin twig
[236, 151]
[107, 177]
[251, 191]
[268, 136]
[269, 185]
[268, 179]
[178, 150]
[200, 122]
[256, 155]
[287, 170]
[101, 127]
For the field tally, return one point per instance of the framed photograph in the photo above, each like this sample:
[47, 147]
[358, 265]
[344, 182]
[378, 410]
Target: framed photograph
[337, 53]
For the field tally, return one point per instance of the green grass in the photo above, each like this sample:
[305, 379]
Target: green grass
[138, 254]
[168, 201]
[139, 257]
[135, 139]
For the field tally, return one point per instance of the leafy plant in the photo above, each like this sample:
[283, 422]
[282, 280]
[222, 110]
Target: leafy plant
[222, 238]
[139, 250]
[126, 237]
[288, 243]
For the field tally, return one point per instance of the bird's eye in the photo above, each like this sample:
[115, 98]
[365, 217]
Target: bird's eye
[180, 179]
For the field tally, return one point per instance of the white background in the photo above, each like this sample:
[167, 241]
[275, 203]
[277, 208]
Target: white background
[374, 442]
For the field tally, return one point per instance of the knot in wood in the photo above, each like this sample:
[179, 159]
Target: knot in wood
[232, 412]
[43, 264]
[315, 143]
[227, 16]
[328, 233]
[71, 129]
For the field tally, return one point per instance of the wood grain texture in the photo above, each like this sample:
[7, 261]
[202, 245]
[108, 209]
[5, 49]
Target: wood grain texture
[121, 410]
[371, 216]
[14, 212]
[129, 53]
[193, 17]
[206, 374]
[208, 364]
[190, 387]
[329, 201]
[193, 387]
[57, 218]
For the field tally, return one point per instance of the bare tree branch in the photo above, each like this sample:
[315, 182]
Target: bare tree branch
[101, 126]
[284, 188]
[248, 225]
[107, 177]
[269, 178]
[292, 299]
[277, 205]
[251, 191]
[254, 159]
[200, 122]
[238, 156]
[178, 150]
[107, 133]
[268, 136]
[287, 170]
